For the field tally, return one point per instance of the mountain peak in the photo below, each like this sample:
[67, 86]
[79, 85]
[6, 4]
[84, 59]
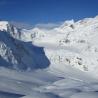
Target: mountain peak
[4, 25]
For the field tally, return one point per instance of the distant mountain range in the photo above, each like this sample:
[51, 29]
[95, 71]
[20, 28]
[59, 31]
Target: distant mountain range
[71, 43]
[49, 61]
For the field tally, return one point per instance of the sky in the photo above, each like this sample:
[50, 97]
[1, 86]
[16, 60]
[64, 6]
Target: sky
[47, 11]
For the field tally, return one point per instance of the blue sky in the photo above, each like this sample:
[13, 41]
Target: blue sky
[47, 11]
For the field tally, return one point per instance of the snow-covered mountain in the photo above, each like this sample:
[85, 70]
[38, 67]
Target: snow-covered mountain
[46, 59]
[17, 54]
[72, 43]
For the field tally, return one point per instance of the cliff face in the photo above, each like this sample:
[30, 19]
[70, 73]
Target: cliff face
[18, 54]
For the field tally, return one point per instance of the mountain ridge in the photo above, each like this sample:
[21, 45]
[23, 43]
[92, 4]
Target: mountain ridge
[68, 44]
[56, 62]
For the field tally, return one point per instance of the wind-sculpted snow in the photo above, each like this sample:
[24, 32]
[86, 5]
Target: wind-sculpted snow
[49, 62]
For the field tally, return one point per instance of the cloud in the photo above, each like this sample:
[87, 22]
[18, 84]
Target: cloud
[21, 25]
[48, 25]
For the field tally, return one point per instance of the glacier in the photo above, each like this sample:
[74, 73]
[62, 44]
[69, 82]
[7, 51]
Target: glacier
[55, 62]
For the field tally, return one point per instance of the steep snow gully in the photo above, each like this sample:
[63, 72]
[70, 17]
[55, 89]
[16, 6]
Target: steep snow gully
[58, 62]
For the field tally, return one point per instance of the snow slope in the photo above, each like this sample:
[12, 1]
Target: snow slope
[73, 43]
[56, 62]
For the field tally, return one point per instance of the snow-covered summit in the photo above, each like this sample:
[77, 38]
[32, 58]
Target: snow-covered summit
[62, 60]
[4, 25]
[18, 53]
[72, 43]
